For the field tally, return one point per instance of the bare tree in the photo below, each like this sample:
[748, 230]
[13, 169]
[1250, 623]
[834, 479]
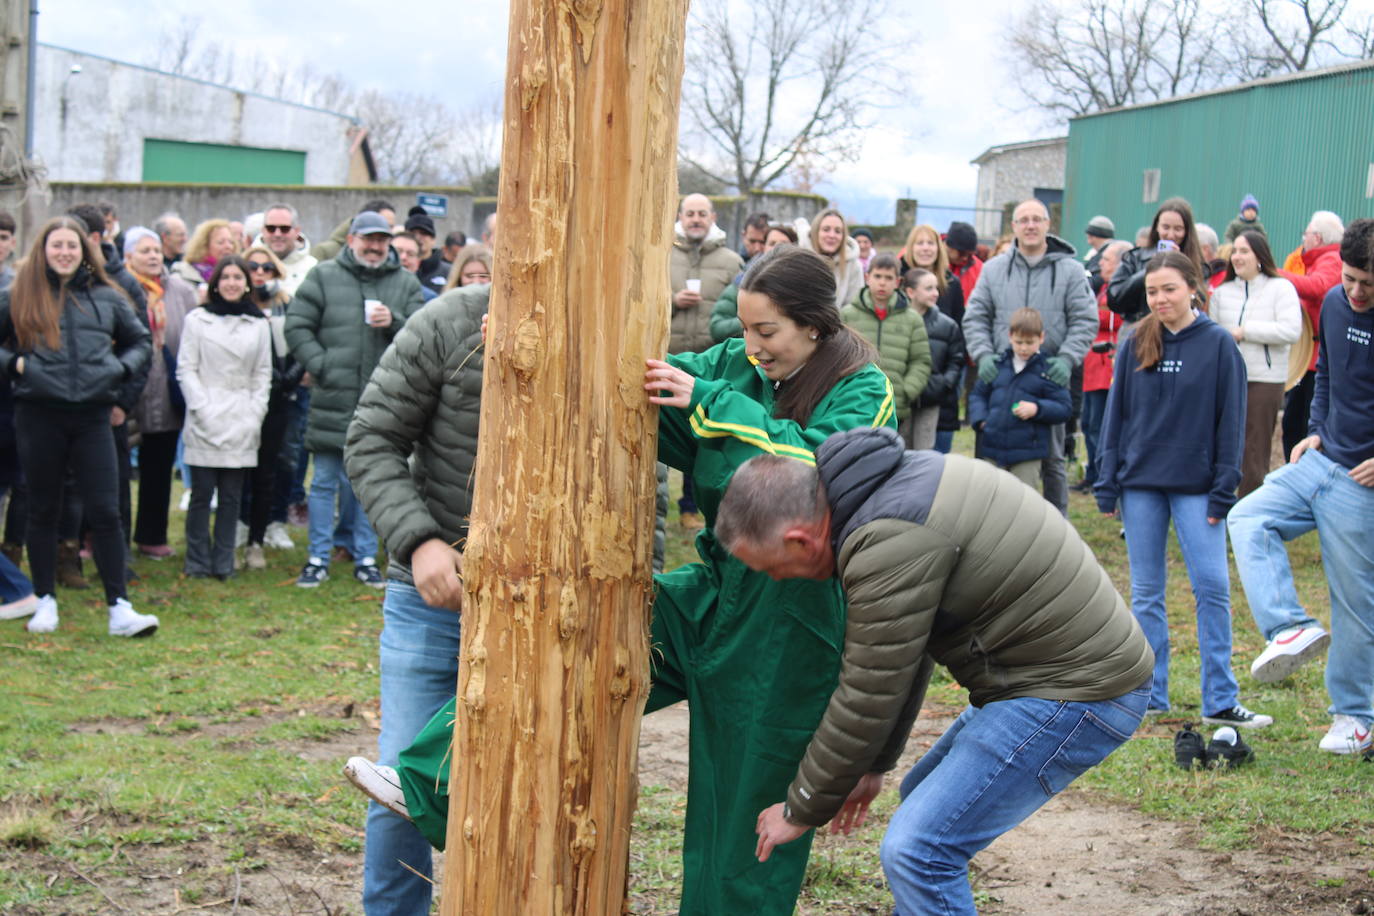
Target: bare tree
[476, 140]
[777, 82]
[1089, 55]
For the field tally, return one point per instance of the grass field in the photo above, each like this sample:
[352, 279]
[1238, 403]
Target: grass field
[162, 775]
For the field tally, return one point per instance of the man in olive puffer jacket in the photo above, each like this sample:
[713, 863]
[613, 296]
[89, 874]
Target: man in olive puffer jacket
[339, 344]
[947, 560]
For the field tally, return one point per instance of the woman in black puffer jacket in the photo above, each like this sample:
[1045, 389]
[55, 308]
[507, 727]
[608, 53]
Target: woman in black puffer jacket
[77, 356]
[947, 357]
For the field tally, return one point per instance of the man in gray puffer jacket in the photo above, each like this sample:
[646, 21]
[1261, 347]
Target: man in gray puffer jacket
[1038, 271]
[946, 560]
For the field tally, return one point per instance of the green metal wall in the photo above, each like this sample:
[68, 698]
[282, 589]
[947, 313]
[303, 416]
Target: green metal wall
[1298, 145]
[173, 160]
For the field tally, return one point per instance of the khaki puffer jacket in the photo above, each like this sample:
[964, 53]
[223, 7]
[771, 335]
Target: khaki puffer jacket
[716, 266]
[949, 560]
[424, 398]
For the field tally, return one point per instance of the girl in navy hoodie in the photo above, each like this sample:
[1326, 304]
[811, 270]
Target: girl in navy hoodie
[1171, 448]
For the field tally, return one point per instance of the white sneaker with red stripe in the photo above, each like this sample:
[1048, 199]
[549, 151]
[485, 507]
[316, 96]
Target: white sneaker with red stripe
[1347, 736]
[1288, 651]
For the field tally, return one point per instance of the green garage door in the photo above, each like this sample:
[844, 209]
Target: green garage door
[214, 163]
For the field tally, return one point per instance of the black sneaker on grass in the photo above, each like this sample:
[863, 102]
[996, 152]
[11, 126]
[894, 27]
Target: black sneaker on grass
[312, 574]
[1228, 749]
[1239, 717]
[368, 574]
[1189, 752]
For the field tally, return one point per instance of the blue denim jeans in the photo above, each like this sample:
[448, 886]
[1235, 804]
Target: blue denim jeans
[331, 483]
[991, 770]
[419, 668]
[1314, 493]
[1145, 515]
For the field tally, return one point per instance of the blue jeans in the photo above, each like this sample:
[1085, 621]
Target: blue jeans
[419, 667]
[1146, 515]
[991, 770]
[1314, 493]
[331, 483]
[944, 440]
[1094, 409]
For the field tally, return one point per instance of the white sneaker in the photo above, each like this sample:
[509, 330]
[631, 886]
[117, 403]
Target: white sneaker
[379, 783]
[125, 621]
[23, 607]
[185, 503]
[1347, 737]
[1288, 651]
[241, 535]
[252, 555]
[277, 537]
[44, 619]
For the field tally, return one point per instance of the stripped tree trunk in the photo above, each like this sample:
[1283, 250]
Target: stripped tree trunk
[555, 669]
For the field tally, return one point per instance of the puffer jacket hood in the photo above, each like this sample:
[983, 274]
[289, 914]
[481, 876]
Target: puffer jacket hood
[852, 466]
[715, 237]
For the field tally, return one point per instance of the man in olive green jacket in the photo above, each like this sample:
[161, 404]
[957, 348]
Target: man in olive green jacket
[942, 559]
[344, 314]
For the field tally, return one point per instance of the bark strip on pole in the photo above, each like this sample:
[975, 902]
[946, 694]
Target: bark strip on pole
[555, 668]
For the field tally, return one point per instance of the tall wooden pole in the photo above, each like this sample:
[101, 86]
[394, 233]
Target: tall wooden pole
[554, 668]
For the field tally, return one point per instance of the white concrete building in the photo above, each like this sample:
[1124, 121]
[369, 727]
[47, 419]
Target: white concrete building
[102, 120]
[1013, 172]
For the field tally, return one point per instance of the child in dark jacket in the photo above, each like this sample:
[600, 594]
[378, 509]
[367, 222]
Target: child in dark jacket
[1015, 411]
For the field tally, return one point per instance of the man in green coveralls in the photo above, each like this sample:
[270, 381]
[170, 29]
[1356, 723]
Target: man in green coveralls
[756, 683]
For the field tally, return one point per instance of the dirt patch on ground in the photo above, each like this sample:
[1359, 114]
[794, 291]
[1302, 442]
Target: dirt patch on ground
[1078, 855]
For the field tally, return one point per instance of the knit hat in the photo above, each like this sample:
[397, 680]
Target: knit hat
[1101, 227]
[864, 232]
[1247, 202]
[961, 237]
[419, 220]
[132, 237]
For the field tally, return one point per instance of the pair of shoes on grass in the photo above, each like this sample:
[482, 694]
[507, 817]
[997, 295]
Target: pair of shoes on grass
[1226, 750]
[124, 620]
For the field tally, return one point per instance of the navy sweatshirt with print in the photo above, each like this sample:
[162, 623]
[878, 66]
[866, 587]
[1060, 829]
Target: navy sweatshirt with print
[1343, 402]
[1178, 426]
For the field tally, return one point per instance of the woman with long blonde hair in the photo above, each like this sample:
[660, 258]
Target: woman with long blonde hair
[925, 250]
[829, 237]
[77, 357]
[212, 241]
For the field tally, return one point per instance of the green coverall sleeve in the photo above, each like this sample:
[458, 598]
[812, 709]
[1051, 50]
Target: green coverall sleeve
[721, 417]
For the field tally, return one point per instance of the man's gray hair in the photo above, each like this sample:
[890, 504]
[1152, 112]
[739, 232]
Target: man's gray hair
[1327, 225]
[295, 217]
[766, 495]
[162, 225]
[1120, 246]
[1207, 237]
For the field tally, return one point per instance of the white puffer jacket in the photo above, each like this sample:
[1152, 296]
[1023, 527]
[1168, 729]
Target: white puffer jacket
[1266, 309]
[224, 367]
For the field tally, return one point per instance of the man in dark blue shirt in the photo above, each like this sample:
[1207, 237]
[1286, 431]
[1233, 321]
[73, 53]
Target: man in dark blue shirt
[1328, 485]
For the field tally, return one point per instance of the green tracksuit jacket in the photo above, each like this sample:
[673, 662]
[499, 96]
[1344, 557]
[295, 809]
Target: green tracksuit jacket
[755, 659]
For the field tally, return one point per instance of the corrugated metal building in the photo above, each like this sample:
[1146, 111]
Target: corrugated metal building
[1299, 143]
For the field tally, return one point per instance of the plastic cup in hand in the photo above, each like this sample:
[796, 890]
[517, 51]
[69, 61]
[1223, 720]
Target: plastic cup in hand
[694, 285]
[372, 310]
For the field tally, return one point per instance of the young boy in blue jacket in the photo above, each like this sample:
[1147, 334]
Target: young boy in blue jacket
[1015, 411]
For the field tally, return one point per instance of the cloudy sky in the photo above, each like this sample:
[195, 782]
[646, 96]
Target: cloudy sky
[954, 70]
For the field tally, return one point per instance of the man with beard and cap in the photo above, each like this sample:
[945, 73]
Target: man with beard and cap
[1036, 272]
[343, 316]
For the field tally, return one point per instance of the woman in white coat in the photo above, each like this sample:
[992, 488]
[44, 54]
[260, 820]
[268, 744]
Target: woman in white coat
[225, 371]
[1260, 308]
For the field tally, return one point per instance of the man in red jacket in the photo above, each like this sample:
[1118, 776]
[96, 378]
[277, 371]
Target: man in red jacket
[1321, 258]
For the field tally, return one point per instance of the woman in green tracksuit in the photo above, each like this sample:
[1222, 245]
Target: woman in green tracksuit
[756, 659]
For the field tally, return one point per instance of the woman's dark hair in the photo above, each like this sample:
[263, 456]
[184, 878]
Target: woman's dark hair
[801, 285]
[1190, 246]
[1260, 246]
[786, 230]
[1148, 335]
[233, 260]
[37, 296]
